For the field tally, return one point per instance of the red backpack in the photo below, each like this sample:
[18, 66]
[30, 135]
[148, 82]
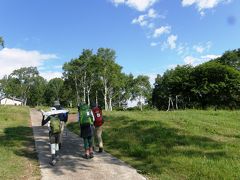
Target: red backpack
[97, 112]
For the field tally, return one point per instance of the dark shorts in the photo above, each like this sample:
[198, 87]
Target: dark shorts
[86, 131]
[54, 138]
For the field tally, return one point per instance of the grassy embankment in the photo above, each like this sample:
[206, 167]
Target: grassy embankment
[18, 160]
[187, 144]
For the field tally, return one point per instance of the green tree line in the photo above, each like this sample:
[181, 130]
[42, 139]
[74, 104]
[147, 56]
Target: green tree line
[90, 78]
[212, 84]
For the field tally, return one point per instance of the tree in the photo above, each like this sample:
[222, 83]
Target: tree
[53, 90]
[24, 77]
[106, 58]
[36, 92]
[230, 58]
[141, 89]
[216, 85]
[1, 42]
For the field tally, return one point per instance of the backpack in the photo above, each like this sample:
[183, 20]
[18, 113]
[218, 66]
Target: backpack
[63, 116]
[97, 112]
[85, 115]
[55, 125]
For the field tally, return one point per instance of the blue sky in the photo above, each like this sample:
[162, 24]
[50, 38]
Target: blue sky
[149, 36]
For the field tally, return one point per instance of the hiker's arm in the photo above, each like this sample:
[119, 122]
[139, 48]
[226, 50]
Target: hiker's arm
[93, 118]
[45, 121]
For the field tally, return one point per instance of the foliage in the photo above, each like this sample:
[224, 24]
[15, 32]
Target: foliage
[98, 78]
[212, 84]
[190, 144]
[53, 90]
[1, 42]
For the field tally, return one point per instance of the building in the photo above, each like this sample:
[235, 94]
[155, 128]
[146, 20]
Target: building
[10, 101]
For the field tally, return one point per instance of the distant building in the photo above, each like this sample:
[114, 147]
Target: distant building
[10, 101]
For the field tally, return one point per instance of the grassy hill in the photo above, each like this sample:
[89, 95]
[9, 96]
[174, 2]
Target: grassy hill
[17, 157]
[189, 144]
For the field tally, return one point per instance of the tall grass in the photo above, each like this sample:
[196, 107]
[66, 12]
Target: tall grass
[17, 157]
[176, 145]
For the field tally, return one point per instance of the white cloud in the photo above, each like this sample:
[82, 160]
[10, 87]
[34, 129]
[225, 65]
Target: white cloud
[154, 44]
[210, 56]
[48, 75]
[140, 20]
[140, 5]
[172, 41]
[12, 58]
[152, 13]
[145, 19]
[203, 4]
[151, 25]
[162, 30]
[200, 48]
[196, 61]
[58, 67]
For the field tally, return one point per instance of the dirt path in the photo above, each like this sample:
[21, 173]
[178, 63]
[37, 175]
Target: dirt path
[71, 166]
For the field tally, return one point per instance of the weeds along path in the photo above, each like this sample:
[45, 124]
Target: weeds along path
[71, 165]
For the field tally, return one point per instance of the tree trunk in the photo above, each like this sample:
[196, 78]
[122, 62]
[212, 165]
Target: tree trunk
[177, 102]
[84, 88]
[76, 86]
[105, 95]
[96, 98]
[88, 97]
[170, 103]
[110, 104]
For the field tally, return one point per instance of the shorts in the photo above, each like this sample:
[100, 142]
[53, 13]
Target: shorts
[54, 138]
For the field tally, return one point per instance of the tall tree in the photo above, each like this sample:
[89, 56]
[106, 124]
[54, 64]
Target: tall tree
[36, 92]
[1, 42]
[25, 77]
[53, 90]
[142, 89]
[106, 58]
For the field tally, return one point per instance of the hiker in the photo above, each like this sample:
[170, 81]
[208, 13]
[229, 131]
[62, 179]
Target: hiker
[86, 120]
[54, 126]
[97, 112]
[63, 115]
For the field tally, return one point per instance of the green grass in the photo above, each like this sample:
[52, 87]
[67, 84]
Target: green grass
[189, 144]
[18, 160]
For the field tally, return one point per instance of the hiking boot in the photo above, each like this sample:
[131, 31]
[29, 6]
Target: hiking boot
[91, 155]
[53, 161]
[100, 150]
[85, 156]
[57, 156]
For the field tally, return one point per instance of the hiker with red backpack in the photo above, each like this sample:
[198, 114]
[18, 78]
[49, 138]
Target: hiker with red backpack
[86, 120]
[97, 113]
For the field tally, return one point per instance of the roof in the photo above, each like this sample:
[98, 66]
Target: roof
[12, 98]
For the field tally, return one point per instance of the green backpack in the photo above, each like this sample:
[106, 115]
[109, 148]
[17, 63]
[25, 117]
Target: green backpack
[55, 125]
[85, 115]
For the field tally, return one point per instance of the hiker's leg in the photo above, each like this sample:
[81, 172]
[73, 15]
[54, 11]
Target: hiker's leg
[57, 138]
[90, 141]
[53, 149]
[61, 134]
[86, 146]
[99, 137]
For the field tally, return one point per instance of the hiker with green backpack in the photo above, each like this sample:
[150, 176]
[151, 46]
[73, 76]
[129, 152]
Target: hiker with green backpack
[54, 126]
[86, 120]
